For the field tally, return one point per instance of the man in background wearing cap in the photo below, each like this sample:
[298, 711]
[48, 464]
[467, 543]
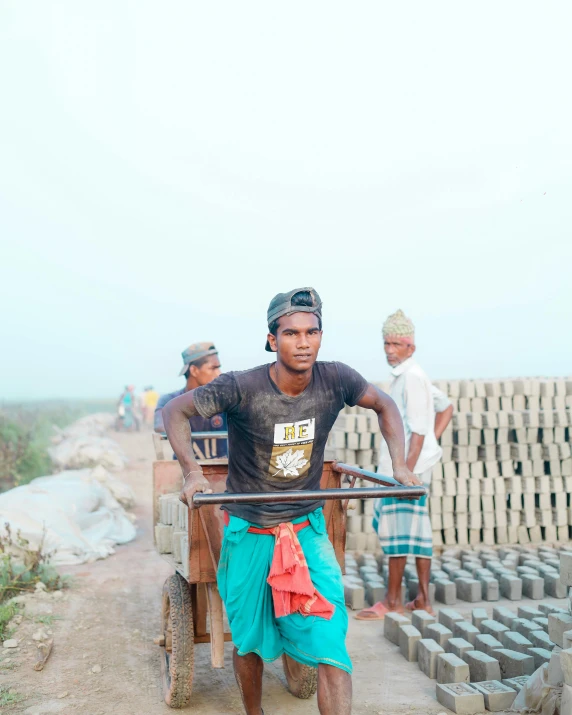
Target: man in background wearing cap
[201, 365]
[279, 418]
[403, 525]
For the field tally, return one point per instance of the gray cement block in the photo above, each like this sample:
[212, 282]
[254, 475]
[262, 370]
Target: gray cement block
[553, 586]
[547, 608]
[451, 669]
[466, 630]
[490, 588]
[498, 697]
[540, 655]
[427, 652]
[445, 592]
[517, 683]
[478, 615]
[524, 626]
[554, 674]
[533, 586]
[469, 589]
[542, 622]
[354, 595]
[163, 538]
[529, 612]
[374, 592]
[459, 646]
[461, 698]
[566, 568]
[511, 587]
[409, 636]
[448, 617]
[439, 633]
[503, 615]
[487, 644]
[493, 628]
[558, 623]
[516, 641]
[391, 624]
[482, 666]
[513, 663]
[540, 639]
[422, 619]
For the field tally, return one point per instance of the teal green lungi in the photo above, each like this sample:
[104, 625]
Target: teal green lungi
[243, 569]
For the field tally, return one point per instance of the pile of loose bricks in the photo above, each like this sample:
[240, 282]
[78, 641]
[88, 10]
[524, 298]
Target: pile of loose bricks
[171, 531]
[483, 662]
[506, 472]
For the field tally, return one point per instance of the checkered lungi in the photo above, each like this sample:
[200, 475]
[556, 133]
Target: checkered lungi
[404, 526]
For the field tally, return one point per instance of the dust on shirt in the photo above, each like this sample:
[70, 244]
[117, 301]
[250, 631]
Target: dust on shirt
[277, 442]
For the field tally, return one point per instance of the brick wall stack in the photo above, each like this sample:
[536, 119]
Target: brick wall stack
[506, 472]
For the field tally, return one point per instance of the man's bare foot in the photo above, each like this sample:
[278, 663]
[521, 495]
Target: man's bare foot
[419, 605]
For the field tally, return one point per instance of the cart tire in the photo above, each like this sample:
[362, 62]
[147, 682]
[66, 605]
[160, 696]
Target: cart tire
[177, 664]
[302, 679]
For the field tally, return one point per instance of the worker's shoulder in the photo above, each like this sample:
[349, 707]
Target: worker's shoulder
[415, 370]
[162, 401]
[252, 375]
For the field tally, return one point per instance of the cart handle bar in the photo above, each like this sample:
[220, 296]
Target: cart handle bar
[342, 468]
[203, 435]
[201, 499]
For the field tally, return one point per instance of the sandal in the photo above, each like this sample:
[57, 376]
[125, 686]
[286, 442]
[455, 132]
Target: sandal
[378, 612]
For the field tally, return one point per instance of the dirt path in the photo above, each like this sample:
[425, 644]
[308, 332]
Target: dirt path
[107, 623]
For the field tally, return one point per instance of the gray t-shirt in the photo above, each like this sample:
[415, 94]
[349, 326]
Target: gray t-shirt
[277, 442]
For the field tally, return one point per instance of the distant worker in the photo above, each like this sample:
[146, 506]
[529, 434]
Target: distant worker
[149, 400]
[127, 418]
[201, 365]
[403, 525]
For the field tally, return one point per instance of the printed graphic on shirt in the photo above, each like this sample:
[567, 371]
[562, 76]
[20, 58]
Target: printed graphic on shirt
[293, 442]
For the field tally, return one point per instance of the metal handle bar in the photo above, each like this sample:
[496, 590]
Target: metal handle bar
[365, 474]
[200, 499]
[204, 435]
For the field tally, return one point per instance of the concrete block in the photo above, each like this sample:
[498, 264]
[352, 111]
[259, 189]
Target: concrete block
[445, 592]
[461, 698]
[516, 641]
[517, 683]
[354, 595]
[469, 589]
[567, 640]
[439, 633]
[498, 697]
[391, 625]
[511, 587]
[540, 639]
[459, 646]
[375, 591]
[466, 630]
[427, 652]
[553, 586]
[478, 615]
[490, 589]
[422, 619]
[487, 644]
[529, 612]
[547, 608]
[540, 655]
[493, 628]
[482, 666]
[513, 663]
[532, 586]
[409, 636]
[555, 674]
[448, 617]
[503, 615]
[163, 538]
[524, 626]
[566, 568]
[542, 622]
[558, 623]
[451, 669]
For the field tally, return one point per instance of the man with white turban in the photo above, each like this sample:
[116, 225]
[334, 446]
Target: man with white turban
[403, 525]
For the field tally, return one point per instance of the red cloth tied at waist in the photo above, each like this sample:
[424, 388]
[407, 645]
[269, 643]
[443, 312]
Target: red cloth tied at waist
[289, 577]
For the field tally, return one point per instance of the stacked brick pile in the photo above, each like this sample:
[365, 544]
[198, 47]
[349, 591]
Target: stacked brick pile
[482, 662]
[506, 472]
[171, 532]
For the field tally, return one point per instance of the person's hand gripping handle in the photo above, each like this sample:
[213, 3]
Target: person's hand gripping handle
[194, 482]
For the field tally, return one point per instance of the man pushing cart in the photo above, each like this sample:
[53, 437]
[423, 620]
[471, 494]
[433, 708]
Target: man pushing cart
[278, 574]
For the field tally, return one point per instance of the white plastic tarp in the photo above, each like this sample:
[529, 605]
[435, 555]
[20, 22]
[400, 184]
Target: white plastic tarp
[81, 518]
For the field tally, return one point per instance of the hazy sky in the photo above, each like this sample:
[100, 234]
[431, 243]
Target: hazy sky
[167, 167]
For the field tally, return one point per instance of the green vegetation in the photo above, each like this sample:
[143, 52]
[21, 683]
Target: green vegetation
[25, 433]
[8, 697]
[7, 612]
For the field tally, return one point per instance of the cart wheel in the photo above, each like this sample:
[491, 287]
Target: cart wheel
[302, 679]
[178, 660]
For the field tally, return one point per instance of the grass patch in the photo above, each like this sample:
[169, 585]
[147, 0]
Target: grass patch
[45, 619]
[7, 612]
[7, 697]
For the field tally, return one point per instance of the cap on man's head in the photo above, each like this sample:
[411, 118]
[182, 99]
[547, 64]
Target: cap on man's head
[281, 305]
[195, 352]
[398, 325]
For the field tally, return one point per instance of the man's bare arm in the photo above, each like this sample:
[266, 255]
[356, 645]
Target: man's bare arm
[176, 415]
[442, 419]
[415, 447]
[391, 426]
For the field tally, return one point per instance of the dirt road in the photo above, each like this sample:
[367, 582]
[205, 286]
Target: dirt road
[106, 623]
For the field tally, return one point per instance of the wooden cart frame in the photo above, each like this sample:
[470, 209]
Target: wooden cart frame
[191, 594]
